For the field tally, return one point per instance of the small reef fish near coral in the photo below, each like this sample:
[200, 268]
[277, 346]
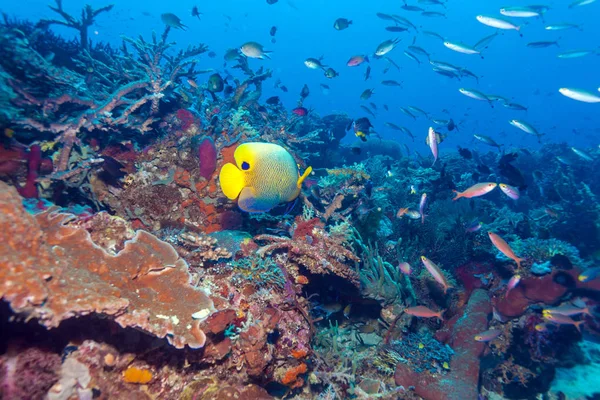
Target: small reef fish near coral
[284, 199]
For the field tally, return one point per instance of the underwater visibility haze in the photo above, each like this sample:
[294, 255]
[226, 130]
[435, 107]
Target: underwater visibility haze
[300, 199]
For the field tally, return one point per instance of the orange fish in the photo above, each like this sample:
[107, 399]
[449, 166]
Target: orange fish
[476, 190]
[424, 312]
[504, 248]
[401, 212]
[436, 272]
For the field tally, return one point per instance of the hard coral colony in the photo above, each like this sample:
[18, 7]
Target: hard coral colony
[167, 234]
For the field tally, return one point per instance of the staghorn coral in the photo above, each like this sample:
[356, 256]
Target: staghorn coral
[87, 19]
[52, 271]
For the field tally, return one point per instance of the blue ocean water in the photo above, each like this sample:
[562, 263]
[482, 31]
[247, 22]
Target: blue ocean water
[528, 76]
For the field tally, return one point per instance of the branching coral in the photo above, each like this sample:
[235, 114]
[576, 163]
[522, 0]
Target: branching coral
[314, 249]
[52, 271]
[87, 19]
[106, 107]
[260, 272]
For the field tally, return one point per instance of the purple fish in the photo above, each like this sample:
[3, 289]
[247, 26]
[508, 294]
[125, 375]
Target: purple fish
[422, 205]
[510, 191]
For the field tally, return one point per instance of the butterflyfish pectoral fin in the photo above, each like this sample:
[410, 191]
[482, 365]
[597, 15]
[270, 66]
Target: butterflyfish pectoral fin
[232, 181]
[303, 177]
[250, 202]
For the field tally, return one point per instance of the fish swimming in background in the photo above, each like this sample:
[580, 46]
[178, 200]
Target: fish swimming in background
[314, 63]
[560, 319]
[366, 95]
[512, 283]
[195, 12]
[474, 226]
[422, 205]
[432, 142]
[424, 312]
[479, 189]
[331, 73]
[405, 268]
[355, 61]
[263, 176]
[300, 111]
[436, 272]
[510, 191]
[215, 83]
[526, 127]
[504, 248]
[589, 274]
[347, 310]
[385, 47]
[172, 21]
[341, 23]
[568, 310]
[410, 213]
[498, 23]
[488, 335]
[362, 127]
[254, 50]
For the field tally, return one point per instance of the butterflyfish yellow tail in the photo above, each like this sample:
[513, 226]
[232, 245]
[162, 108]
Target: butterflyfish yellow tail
[303, 177]
[232, 181]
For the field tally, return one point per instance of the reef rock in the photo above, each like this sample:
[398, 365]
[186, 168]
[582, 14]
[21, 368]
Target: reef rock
[461, 381]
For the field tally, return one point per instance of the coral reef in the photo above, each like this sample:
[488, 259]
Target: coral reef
[126, 273]
[462, 377]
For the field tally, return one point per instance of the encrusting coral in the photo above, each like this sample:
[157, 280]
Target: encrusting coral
[52, 271]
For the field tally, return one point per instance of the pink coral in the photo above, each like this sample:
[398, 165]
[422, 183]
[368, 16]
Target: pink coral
[186, 118]
[27, 373]
[207, 153]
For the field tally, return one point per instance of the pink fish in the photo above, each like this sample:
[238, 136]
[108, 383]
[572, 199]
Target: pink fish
[473, 226]
[542, 327]
[412, 214]
[488, 336]
[510, 191]
[568, 310]
[504, 248]
[436, 272]
[422, 207]
[432, 141]
[405, 268]
[424, 312]
[476, 190]
[513, 282]
[560, 319]
[355, 61]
